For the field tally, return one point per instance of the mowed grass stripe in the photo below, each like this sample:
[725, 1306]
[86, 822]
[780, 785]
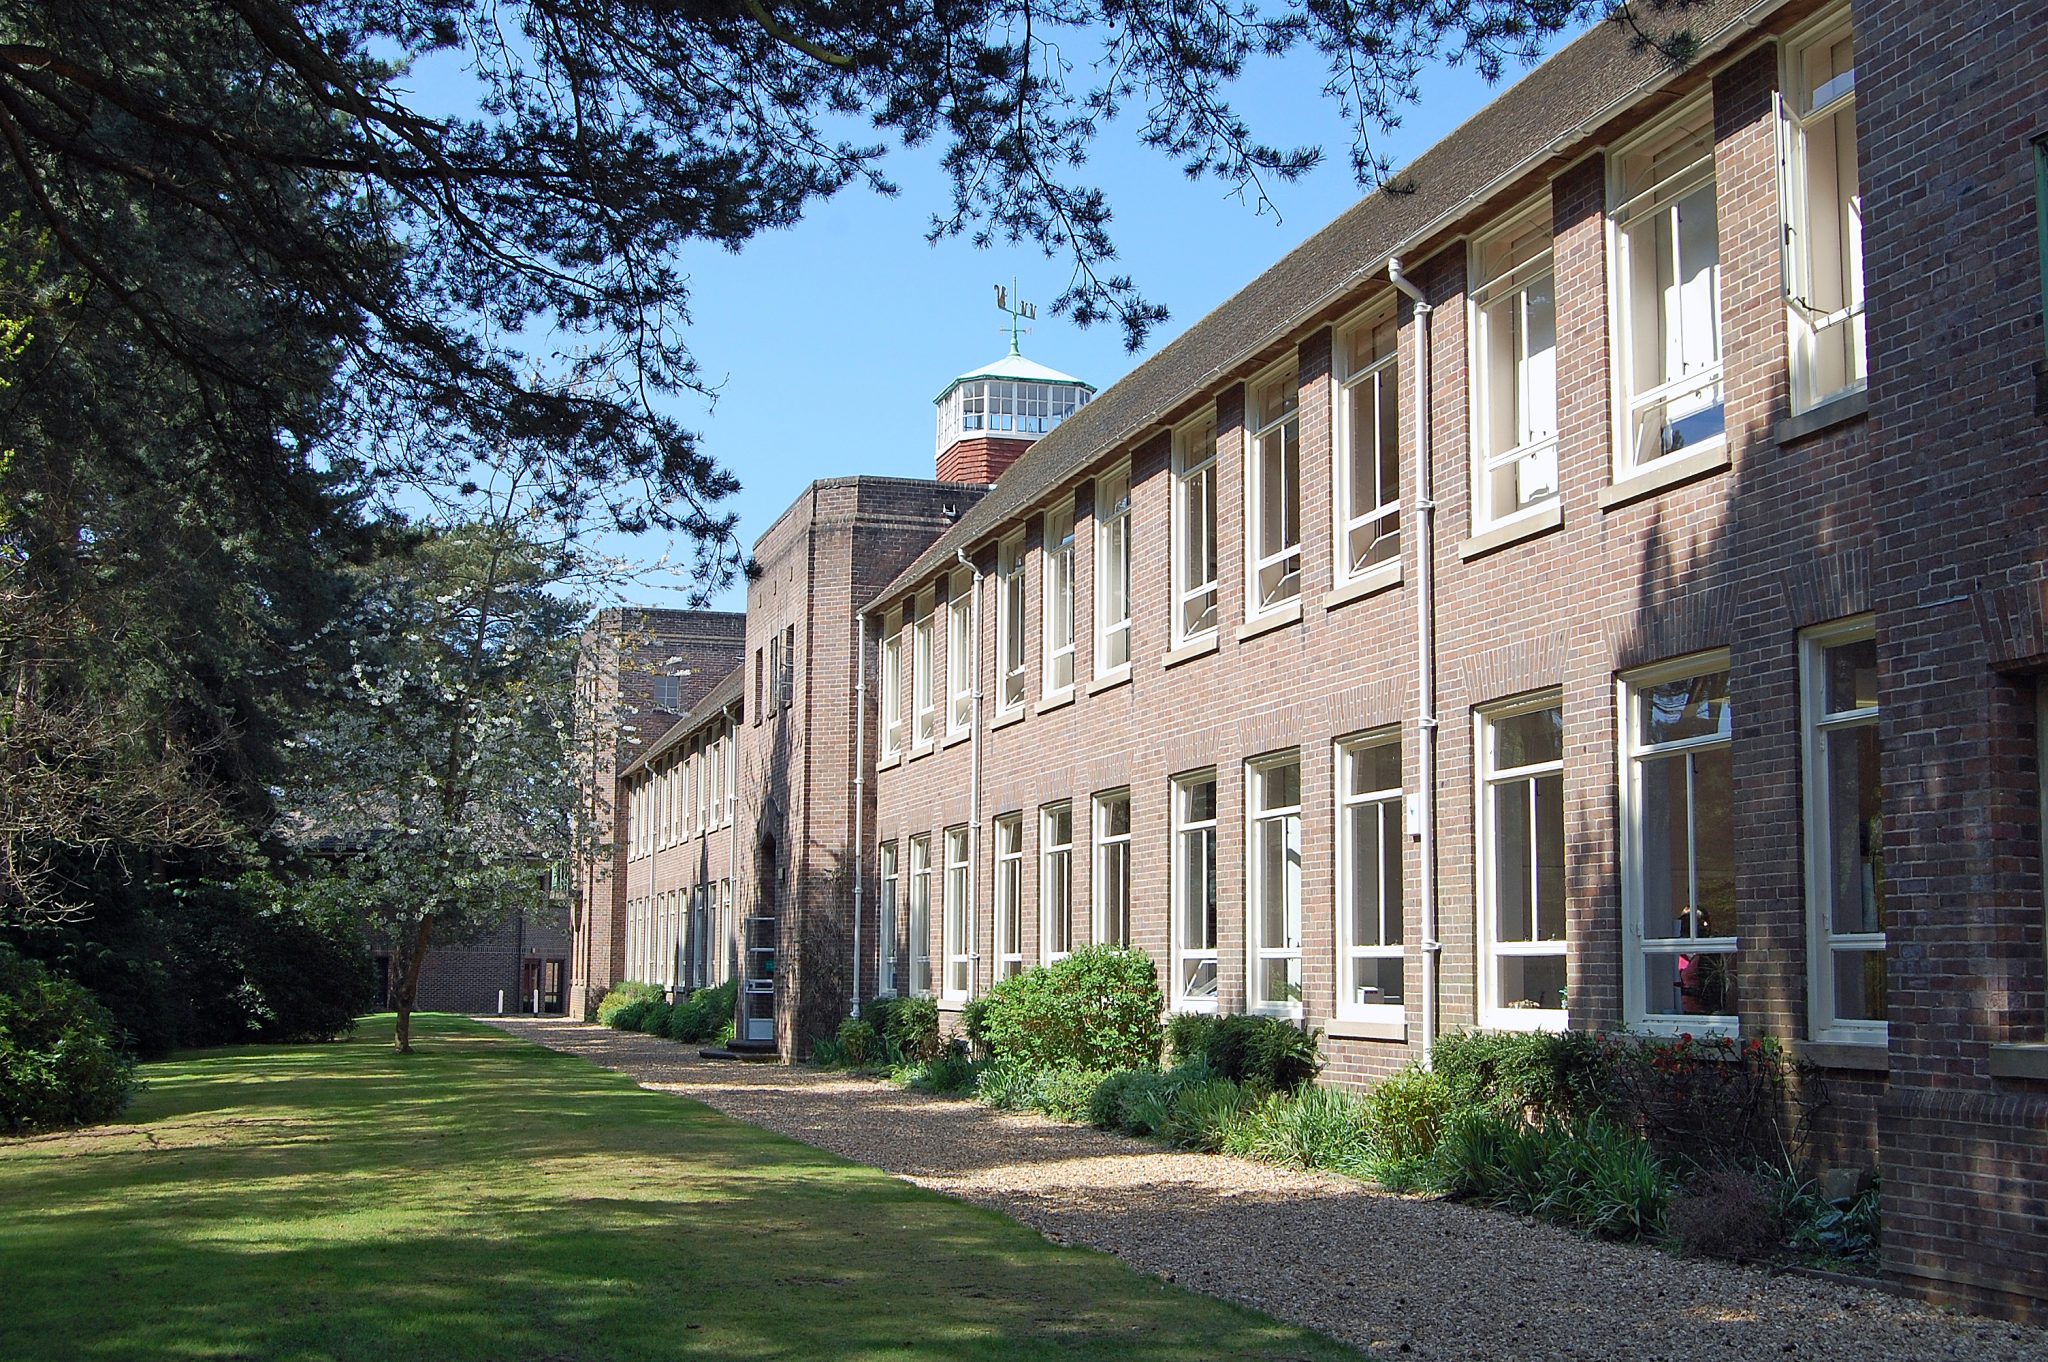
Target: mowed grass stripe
[486, 1198]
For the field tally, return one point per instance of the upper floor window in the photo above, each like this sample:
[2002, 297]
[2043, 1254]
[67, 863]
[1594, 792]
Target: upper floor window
[924, 707]
[1194, 530]
[1521, 841]
[962, 644]
[1667, 270]
[1194, 890]
[1009, 895]
[1056, 880]
[892, 688]
[1824, 214]
[668, 692]
[1010, 624]
[1370, 961]
[1514, 370]
[1113, 868]
[1368, 463]
[1113, 571]
[1273, 493]
[1845, 870]
[1274, 891]
[1059, 600]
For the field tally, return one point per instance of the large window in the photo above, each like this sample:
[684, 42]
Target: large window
[1194, 530]
[1522, 860]
[1273, 493]
[924, 707]
[1824, 215]
[1274, 883]
[1368, 463]
[921, 916]
[1009, 895]
[1370, 959]
[1844, 832]
[1668, 293]
[1113, 571]
[1112, 897]
[1059, 601]
[1194, 890]
[1056, 880]
[1678, 847]
[889, 947]
[1010, 624]
[892, 688]
[962, 643]
[958, 914]
[1514, 371]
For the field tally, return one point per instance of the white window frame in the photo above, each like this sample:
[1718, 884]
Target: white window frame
[1389, 807]
[1284, 562]
[887, 878]
[1009, 905]
[1194, 589]
[1491, 949]
[1113, 498]
[1055, 884]
[1057, 581]
[1823, 943]
[963, 645]
[1533, 456]
[920, 911]
[1379, 379]
[1011, 647]
[891, 667]
[1637, 946]
[956, 925]
[1195, 884]
[924, 704]
[1111, 852]
[1808, 321]
[1258, 951]
[701, 769]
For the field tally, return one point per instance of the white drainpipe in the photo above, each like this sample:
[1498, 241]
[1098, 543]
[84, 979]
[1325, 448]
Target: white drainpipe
[732, 838]
[1425, 654]
[974, 789]
[860, 767]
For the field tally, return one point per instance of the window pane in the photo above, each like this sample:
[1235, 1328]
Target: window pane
[1852, 676]
[1280, 980]
[1368, 865]
[1661, 817]
[1690, 984]
[1513, 888]
[1280, 786]
[1550, 858]
[1528, 739]
[1532, 981]
[1860, 985]
[1376, 980]
[1375, 768]
[1201, 801]
[1198, 979]
[1689, 707]
[1713, 803]
[1198, 889]
[1274, 916]
[1855, 829]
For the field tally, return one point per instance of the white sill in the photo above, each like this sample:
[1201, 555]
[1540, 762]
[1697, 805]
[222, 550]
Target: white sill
[1664, 474]
[1364, 1028]
[1834, 411]
[1006, 718]
[957, 736]
[924, 750]
[1524, 1019]
[1120, 677]
[1526, 525]
[1279, 618]
[1368, 583]
[1190, 650]
[1283, 1011]
[1057, 700]
[1714, 1028]
[1198, 1007]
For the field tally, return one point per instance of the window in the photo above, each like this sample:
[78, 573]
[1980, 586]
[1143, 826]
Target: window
[921, 916]
[1113, 572]
[1194, 890]
[1006, 407]
[1844, 832]
[889, 947]
[962, 642]
[1056, 880]
[1273, 893]
[1273, 492]
[1112, 897]
[1010, 624]
[1368, 462]
[892, 689]
[1514, 371]
[958, 911]
[1824, 214]
[1370, 960]
[668, 692]
[1009, 895]
[2041, 228]
[1667, 264]
[700, 768]
[1522, 860]
[1678, 847]
[785, 690]
[923, 706]
[718, 780]
[776, 664]
[1194, 530]
[1059, 601]
[757, 686]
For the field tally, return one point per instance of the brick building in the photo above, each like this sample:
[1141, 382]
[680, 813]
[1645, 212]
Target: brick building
[520, 966]
[1557, 594]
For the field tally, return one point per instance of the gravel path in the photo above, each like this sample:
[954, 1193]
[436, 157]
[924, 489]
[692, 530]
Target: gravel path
[1397, 1275]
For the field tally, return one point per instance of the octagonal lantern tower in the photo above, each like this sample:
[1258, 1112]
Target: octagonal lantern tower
[989, 416]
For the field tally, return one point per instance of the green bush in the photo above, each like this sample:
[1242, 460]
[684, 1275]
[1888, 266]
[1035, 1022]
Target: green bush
[1313, 1128]
[1106, 1103]
[974, 1023]
[911, 1027]
[621, 997]
[640, 1014]
[1543, 1075]
[949, 1073]
[1204, 1114]
[1064, 1094]
[1604, 1180]
[1097, 1009]
[1146, 1104]
[1405, 1115]
[1262, 1052]
[828, 1053]
[60, 1062]
[1007, 1086]
[1188, 1035]
[860, 1044]
[1470, 1158]
[704, 1014]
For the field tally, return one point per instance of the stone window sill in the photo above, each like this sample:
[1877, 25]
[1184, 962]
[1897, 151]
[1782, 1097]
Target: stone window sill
[1120, 677]
[1665, 474]
[1346, 1028]
[1551, 517]
[1833, 412]
[1863, 1056]
[1006, 718]
[1287, 614]
[955, 739]
[923, 751]
[1053, 702]
[1188, 652]
[2020, 1059]
[1368, 583]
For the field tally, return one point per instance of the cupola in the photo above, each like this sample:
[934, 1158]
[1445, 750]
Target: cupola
[989, 416]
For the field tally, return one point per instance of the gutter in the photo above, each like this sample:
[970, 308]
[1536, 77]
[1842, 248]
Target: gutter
[860, 767]
[973, 904]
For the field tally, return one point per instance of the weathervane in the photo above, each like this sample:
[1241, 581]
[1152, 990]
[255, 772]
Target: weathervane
[1019, 310]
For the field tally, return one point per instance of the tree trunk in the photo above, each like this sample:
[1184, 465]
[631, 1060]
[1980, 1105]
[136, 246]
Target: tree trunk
[409, 984]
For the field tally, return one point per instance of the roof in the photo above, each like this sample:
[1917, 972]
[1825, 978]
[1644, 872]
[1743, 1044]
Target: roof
[727, 692]
[1016, 368]
[1540, 116]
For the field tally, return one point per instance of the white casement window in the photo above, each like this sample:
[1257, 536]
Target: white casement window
[718, 781]
[892, 689]
[1056, 881]
[1272, 492]
[1667, 290]
[923, 705]
[1194, 530]
[1844, 832]
[1194, 891]
[1514, 371]
[1058, 613]
[889, 945]
[1009, 895]
[1273, 883]
[1521, 841]
[1678, 847]
[701, 770]
[921, 916]
[1112, 897]
[1010, 625]
[663, 809]
[1823, 201]
[732, 771]
[1368, 453]
[957, 916]
[1370, 955]
[962, 644]
[1113, 572]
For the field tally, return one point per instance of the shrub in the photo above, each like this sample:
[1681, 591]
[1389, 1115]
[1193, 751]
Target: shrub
[828, 1053]
[1707, 1102]
[621, 997]
[1146, 1105]
[1106, 1103]
[1188, 1035]
[1470, 1157]
[1313, 1128]
[912, 1029]
[974, 1023]
[949, 1073]
[1405, 1115]
[1064, 1094]
[1097, 1009]
[1262, 1052]
[1204, 1114]
[1007, 1086]
[60, 1062]
[640, 1014]
[1843, 1231]
[1725, 1213]
[1604, 1180]
[1542, 1075]
[861, 1046]
[703, 1015]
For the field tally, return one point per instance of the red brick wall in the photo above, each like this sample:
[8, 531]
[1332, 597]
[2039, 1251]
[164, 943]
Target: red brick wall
[979, 459]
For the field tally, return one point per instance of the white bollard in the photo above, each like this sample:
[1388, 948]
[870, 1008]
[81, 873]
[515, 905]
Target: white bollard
[536, 1002]
[501, 1002]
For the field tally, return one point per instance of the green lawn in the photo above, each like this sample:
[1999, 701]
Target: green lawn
[489, 1199]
